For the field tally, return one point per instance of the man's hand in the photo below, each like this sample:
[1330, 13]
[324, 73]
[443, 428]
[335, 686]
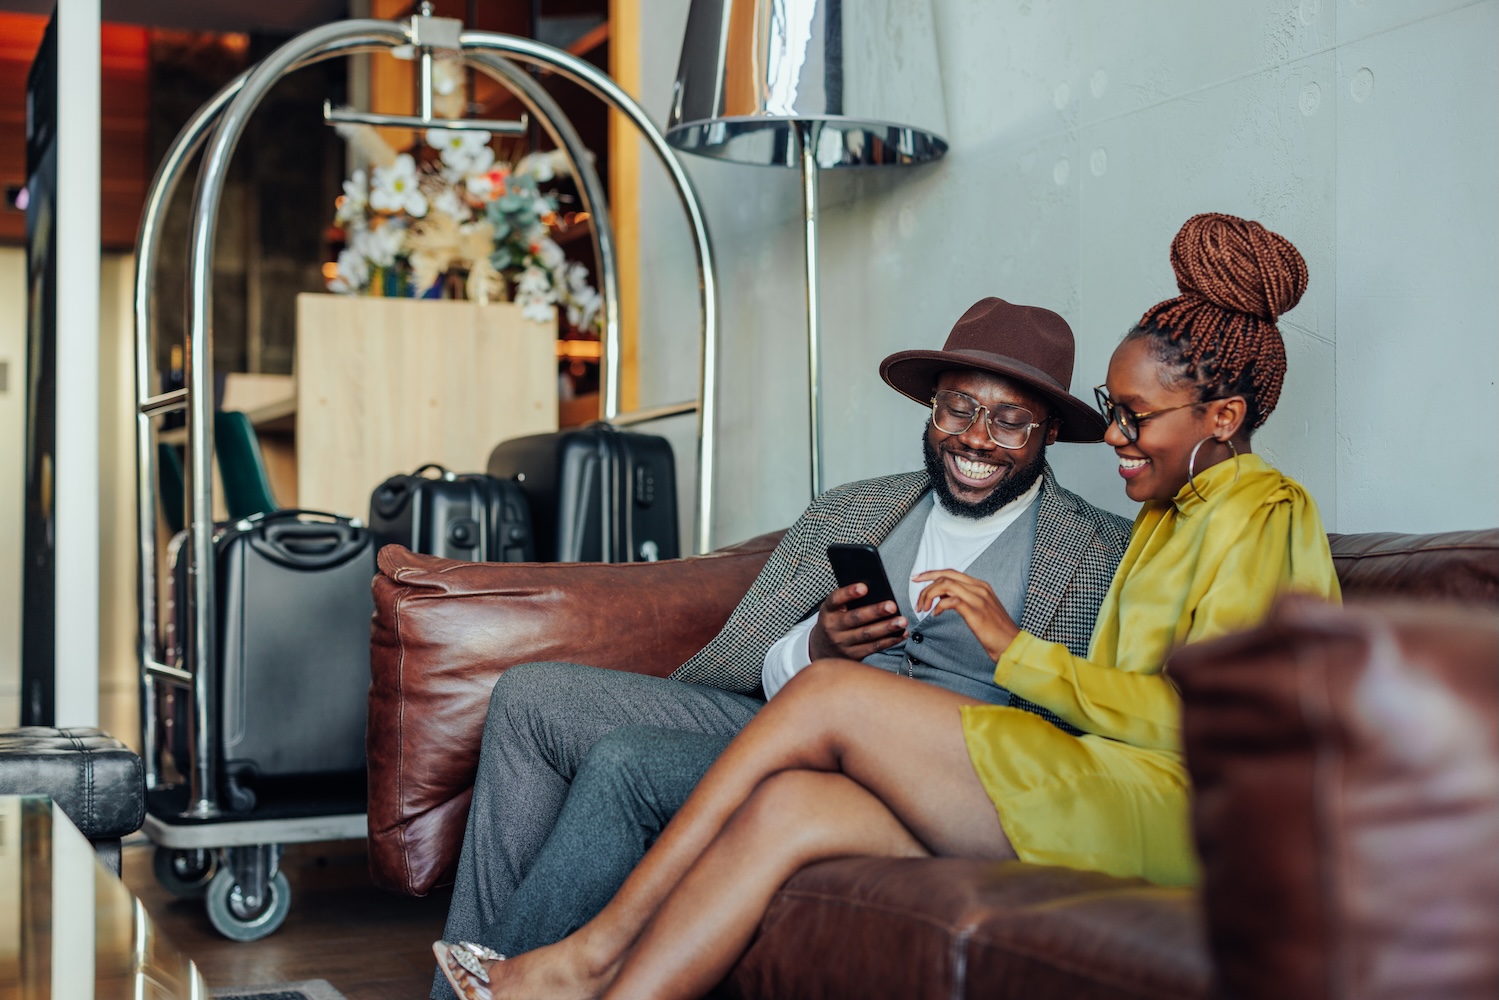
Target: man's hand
[854, 634]
[975, 601]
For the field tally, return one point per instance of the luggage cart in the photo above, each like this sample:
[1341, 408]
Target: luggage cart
[231, 860]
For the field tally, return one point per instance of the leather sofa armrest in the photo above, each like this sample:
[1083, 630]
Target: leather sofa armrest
[1345, 800]
[443, 632]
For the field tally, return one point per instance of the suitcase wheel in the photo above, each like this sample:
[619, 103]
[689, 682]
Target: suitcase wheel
[249, 896]
[185, 874]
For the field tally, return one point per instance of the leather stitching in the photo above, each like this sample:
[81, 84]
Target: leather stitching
[88, 778]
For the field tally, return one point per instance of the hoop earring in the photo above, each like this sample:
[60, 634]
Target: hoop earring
[1192, 463]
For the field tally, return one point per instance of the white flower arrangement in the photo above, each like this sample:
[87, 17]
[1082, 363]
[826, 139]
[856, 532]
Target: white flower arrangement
[410, 224]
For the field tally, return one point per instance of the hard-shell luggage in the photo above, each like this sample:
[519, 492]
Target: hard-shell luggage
[294, 609]
[473, 517]
[597, 494]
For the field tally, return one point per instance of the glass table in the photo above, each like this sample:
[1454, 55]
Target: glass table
[71, 930]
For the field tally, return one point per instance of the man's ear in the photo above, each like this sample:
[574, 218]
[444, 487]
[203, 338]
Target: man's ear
[1053, 428]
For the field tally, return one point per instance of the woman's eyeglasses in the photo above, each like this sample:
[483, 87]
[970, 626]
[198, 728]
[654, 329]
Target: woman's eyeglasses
[1009, 427]
[1128, 420]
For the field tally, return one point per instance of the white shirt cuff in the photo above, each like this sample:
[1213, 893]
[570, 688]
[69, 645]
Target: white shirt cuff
[790, 653]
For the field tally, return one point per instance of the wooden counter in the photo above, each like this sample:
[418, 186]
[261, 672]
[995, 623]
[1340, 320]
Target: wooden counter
[387, 385]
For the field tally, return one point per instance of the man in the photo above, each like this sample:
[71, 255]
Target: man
[985, 508]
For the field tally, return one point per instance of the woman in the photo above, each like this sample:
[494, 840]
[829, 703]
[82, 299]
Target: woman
[868, 763]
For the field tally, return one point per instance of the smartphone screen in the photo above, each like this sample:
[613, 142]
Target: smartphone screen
[861, 564]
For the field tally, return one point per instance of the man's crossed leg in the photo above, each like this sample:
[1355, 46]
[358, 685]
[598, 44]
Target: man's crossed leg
[544, 720]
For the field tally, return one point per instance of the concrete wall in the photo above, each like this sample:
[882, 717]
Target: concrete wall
[1082, 135]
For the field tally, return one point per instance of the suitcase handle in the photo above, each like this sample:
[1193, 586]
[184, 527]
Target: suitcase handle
[390, 496]
[289, 539]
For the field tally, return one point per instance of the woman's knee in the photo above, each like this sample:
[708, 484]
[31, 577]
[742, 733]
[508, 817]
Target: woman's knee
[785, 806]
[824, 696]
[803, 813]
[802, 816]
[822, 679]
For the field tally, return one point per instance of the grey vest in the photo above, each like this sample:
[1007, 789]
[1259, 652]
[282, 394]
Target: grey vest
[943, 650]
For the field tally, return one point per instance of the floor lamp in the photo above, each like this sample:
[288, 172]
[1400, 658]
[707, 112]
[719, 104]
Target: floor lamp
[813, 85]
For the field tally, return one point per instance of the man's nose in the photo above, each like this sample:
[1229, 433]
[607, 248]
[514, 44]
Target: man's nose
[977, 434]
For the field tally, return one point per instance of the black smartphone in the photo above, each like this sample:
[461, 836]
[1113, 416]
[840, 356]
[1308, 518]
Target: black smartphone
[861, 564]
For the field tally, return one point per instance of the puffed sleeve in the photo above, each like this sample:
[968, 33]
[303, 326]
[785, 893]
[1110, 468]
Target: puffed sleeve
[1288, 553]
[1141, 709]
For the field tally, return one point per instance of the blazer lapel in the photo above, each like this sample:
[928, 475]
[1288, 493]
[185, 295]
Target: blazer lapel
[797, 576]
[865, 518]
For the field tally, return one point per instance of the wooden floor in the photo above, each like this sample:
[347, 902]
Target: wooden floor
[369, 943]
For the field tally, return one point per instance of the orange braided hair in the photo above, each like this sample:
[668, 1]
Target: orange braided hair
[1236, 278]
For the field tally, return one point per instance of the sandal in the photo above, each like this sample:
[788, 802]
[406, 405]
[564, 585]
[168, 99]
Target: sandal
[463, 966]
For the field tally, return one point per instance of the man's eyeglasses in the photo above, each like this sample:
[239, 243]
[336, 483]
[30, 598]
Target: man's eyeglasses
[1009, 427]
[1128, 420]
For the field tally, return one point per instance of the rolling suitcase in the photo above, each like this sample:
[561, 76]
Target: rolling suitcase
[293, 662]
[472, 517]
[597, 494]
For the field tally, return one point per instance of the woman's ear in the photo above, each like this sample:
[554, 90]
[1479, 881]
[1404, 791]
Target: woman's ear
[1228, 417]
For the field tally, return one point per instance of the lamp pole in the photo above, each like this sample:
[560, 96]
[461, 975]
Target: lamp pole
[806, 133]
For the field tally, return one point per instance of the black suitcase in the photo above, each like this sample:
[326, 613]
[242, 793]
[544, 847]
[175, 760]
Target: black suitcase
[597, 494]
[472, 517]
[294, 609]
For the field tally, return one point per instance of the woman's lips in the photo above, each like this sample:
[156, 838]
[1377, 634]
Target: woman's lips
[1129, 467]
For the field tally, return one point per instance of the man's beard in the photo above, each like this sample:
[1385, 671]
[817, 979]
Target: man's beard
[1020, 479]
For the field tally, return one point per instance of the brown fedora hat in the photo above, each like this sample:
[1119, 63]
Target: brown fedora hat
[1026, 343]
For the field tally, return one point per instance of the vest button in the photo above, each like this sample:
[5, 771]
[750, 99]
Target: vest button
[917, 637]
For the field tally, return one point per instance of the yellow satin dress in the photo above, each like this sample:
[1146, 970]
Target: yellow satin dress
[1116, 800]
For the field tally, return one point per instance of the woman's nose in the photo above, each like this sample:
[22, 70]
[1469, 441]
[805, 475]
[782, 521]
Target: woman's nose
[1113, 436]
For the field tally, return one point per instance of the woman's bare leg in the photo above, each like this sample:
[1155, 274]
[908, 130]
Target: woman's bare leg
[792, 819]
[901, 740]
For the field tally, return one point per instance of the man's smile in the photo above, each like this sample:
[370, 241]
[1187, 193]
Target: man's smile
[970, 472]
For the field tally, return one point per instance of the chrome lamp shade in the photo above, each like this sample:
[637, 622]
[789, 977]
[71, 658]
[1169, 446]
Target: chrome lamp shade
[861, 78]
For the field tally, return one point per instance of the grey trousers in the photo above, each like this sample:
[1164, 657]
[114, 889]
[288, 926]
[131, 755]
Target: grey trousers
[630, 786]
[543, 721]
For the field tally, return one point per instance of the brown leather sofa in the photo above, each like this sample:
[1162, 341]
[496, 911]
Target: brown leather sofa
[1345, 765]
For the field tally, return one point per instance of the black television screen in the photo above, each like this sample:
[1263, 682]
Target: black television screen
[39, 571]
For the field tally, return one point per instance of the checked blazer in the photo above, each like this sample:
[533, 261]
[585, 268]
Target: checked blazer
[1077, 549]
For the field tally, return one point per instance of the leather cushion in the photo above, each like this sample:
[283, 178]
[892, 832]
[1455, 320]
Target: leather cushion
[1458, 565]
[1345, 763]
[95, 779]
[964, 928]
[444, 631]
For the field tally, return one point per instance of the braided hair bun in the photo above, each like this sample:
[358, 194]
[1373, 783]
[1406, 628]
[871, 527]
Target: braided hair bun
[1236, 279]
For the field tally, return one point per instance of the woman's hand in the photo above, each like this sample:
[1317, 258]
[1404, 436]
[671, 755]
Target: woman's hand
[975, 601]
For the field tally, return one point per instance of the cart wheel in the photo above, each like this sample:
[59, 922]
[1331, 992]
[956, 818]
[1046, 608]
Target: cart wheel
[185, 874]
[235, 920]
